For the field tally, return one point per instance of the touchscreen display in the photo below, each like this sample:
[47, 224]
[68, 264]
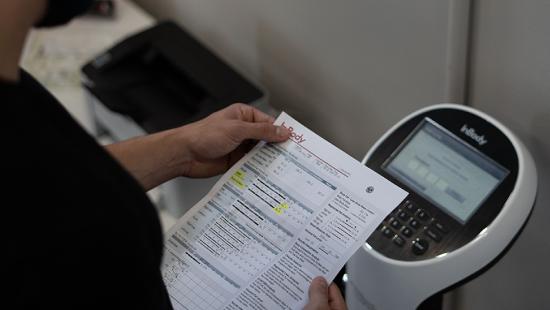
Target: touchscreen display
[445, 170]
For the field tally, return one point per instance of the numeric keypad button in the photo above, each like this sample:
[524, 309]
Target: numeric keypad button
[410, 206]
[414, 223]
[398, 240]
[403, 215]
[437, 224]
[387, 232]
[405, 231]
[395, 223]
[421, 214]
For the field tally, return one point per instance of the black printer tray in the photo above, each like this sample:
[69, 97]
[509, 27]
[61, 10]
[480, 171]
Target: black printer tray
[163, 78]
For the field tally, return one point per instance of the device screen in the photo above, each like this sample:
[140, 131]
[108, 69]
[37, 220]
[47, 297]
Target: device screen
[445, 170]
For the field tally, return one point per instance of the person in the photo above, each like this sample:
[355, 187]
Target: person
[79, 231]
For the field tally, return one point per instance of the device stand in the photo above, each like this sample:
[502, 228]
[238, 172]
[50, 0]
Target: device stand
[435, 302]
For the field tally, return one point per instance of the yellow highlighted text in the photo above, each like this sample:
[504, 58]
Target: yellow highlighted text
[239, 174]
[238, 182]
[283, 206]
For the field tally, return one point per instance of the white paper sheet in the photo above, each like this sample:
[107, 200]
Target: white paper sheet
[284, 214]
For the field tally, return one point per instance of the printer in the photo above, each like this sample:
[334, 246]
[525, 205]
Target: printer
[159, 79]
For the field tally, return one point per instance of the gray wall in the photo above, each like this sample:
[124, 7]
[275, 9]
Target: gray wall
[347, 70]
[351, 69]
[510, 80]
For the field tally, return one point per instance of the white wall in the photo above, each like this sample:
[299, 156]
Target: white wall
[346, 69]
[510, 80]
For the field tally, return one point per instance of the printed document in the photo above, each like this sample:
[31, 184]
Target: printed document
[284, 214]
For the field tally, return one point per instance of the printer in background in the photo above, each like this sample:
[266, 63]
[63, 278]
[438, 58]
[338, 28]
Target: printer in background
[160, 79]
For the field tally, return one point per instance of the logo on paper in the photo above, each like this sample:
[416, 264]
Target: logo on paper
[370, 189]
[470, 132]
[294, 136]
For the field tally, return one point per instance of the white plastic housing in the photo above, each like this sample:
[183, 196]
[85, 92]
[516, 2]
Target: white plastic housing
[381, 283]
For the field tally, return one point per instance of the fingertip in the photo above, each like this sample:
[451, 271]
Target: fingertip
[321, 280]
[334, 289]
[282, 133]
[260, 117]
[318, 290]
[336, 300]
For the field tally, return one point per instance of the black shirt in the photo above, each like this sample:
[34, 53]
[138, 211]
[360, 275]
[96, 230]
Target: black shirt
[76, 230]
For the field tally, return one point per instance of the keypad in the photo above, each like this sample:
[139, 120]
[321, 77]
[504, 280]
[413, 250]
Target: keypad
[412, 221]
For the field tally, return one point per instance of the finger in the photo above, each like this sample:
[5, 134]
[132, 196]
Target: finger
[252, 115]
[261, 117]
[261, 131]
[336, 301]
[318, 293]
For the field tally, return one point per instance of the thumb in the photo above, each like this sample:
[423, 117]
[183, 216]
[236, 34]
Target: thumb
[318, 294]
[263, 131]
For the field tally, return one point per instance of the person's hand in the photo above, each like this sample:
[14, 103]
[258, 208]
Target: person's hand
[324, 297]
[217, 142]
[198, 150]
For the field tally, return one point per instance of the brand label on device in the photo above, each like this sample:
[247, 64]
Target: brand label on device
[471, 132]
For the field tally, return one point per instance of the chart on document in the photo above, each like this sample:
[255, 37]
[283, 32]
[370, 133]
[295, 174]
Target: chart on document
[250, 220]
[278, 206]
